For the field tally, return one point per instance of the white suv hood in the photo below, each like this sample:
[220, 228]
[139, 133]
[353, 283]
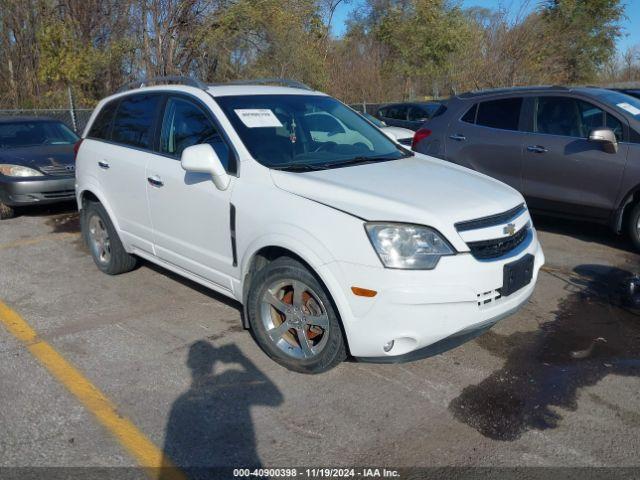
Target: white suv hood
[419, 189]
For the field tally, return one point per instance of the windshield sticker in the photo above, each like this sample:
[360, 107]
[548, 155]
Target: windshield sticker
[629, 108]
[258, 117]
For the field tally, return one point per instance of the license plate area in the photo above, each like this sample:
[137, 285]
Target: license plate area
[516, 275]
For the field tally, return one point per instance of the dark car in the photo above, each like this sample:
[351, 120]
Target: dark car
[572, 152]
[407, 115]
[37, 164]
[634, 92]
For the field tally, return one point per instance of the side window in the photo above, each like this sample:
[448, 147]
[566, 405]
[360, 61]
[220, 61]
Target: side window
[470, 116]
[417, 114]
[383, 112]
[397, 112]
[101, 127]
[134, 120]
[558, 116]
[503, 113]
[614, 124]
[572, 117]
[185, 125]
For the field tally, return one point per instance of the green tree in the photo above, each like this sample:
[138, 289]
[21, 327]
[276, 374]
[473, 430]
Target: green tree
[584, 33]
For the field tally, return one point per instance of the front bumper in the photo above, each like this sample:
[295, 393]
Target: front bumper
[40, 190]
[425, 312]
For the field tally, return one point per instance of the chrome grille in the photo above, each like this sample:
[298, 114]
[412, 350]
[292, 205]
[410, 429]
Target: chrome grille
[497, 247]
[59, 170]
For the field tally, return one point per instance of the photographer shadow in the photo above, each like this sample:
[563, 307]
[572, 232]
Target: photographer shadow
[210, 431]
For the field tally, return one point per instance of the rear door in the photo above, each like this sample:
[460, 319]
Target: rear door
[191, 217]
[487, 138]
[122, 164]
[562, 170]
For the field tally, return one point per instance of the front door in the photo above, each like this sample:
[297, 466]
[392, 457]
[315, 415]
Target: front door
[562, 170]
[190, 216]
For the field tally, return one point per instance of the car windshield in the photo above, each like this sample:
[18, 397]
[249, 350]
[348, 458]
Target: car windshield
[621, 101]
[33, 133]
[306, 132]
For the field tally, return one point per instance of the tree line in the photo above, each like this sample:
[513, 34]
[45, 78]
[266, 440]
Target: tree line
[391, 49]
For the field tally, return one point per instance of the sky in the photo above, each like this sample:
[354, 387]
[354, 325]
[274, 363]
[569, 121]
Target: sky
[631, 25]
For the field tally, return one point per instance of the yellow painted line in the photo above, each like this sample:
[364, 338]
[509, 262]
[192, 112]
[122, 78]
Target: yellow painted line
[36, 240]
[128, 435]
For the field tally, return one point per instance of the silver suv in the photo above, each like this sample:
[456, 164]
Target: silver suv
[570, 151]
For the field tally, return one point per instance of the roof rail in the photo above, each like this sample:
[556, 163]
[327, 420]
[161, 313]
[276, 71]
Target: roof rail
[500, 90]
[264, 81]
[163, 80]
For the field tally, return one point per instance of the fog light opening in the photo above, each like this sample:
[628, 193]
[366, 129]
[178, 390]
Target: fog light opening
[388, 346]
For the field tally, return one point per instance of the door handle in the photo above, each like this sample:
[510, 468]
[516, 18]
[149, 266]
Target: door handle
[537, 149]
[457, 137]
[103, 164]
[155, 181]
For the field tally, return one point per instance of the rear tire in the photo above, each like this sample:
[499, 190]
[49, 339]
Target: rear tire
[293, 318]
[6, 211]
[633, 226]
[103, 241]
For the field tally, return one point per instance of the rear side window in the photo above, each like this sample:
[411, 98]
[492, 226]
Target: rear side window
[503, 114]
[133, 124]
[397, 112]
[101, 128]
[470, 116]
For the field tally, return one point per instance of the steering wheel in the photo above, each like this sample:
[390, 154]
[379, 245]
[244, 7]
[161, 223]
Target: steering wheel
[326, 147]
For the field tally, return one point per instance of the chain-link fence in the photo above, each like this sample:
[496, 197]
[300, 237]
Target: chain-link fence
[76, 119]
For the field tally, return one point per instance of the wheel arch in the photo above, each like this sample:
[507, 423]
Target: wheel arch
[624, 209]
[261, 256]
[93, 194]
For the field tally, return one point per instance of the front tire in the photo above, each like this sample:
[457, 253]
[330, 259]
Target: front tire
[103, 241]
[633, 226]
[6, 211]
[293, 318]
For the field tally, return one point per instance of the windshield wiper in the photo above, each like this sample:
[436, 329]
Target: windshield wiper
[356, 161]
[298, 167]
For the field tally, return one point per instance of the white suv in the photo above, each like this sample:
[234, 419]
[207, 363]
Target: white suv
[336, 241]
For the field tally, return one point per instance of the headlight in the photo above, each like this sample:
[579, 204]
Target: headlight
[407, 246]
[18, 171]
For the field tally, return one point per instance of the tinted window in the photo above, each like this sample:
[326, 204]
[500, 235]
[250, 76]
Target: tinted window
[185, 125]
[417, 114]
[134, 120]
[29, 134]
[470, 116]
[572, 117]
[101, 127]
[397, 112]
[503, 114]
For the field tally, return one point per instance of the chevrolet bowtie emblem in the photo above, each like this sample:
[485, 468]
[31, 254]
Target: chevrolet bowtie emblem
[509, 229]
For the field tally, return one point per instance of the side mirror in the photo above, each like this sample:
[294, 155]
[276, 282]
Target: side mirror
[203, 159]
[606, 138]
